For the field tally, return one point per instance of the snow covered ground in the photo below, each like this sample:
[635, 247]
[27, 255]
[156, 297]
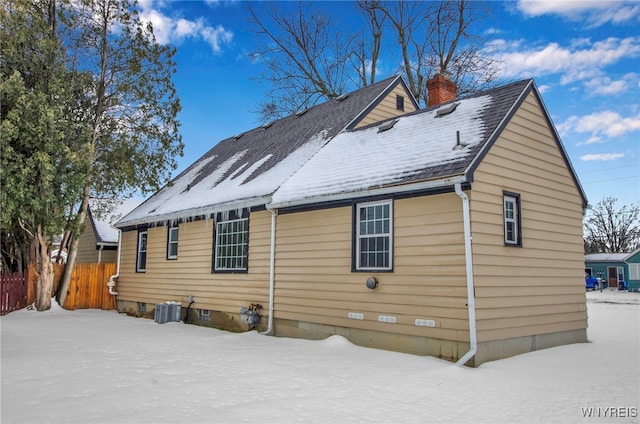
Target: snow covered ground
[102, 367]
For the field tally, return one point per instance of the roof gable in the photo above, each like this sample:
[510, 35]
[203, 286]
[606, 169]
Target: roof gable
[243, 171]
[505, 116]
[102, 223]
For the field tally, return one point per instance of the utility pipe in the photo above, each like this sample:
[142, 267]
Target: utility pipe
[272, 269]
[111, 283]
[471, 298]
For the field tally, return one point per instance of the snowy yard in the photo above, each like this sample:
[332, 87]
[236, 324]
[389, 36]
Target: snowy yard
[103, 367]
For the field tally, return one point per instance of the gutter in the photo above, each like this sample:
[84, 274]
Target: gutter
[471, 301]
[272, 269]
[425, 185]
[111, 283]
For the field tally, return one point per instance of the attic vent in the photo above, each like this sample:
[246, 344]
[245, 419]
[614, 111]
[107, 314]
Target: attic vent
[447, 109]
[387, 126]
[342, 97]
[235, 137]
[302, 112]
[267, 125]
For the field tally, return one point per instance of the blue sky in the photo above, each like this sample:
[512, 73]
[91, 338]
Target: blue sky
[583, 55]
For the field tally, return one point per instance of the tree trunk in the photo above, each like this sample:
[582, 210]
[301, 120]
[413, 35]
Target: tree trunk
[65, 281]
[44, 272]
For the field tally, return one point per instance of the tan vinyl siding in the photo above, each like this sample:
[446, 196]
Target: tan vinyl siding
[87, 245]
[387, 107]
[315, 283]
[190, 274]
[537, 288]
[109, 256]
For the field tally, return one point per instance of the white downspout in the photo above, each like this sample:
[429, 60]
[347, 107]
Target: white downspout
[272, 269]
[471, 298]
[100, 253]
[111, 283]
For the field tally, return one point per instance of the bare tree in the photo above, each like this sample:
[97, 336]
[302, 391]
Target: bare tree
[306, 56]
[439, 37]
[309, 58]
[367, 53]
[612, 230]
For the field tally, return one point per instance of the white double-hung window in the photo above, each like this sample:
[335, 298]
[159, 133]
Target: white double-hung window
[512, 229]
[374, 236]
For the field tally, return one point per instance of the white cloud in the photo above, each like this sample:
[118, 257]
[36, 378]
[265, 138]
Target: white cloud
[169, 29]
[606, 86]
[605, 123]
[544, 88]
[592, 13]
[578, 61]
[601, 157]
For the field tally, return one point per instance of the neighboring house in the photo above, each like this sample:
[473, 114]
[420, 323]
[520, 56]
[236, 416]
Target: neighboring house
[615, 267]
[425, 233]
[99, 239]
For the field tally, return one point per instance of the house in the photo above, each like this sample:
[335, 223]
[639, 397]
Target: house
[615, 267]
[99, 239]
[422, 231]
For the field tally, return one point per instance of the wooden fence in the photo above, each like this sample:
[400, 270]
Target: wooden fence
[87, 289]
[13, 292]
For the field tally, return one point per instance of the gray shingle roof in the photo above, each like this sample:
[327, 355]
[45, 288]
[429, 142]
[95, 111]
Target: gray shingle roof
[245, 169]
[420, 151]
[421, 146]
[318, 157]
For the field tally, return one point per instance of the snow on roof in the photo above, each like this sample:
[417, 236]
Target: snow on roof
[235, 190]
[245, 170]
[373, 157]
[103, 223]
[608, 257]
[317, 155]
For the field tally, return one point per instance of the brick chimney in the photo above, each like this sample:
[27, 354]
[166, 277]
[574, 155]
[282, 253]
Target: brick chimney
[441, 90]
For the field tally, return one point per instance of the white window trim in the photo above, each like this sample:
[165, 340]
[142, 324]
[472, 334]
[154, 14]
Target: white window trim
[515, 220]
[634, 271]
[169, 243]
[216, 257]
[139, 250]
[360, 206]
[204, 315]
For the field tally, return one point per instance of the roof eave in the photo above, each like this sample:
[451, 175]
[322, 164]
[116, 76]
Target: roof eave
[194, 212]
[387, 190]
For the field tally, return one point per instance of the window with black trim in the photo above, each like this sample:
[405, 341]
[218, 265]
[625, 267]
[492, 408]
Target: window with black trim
[373, 248]
[172, 242]
[141, 259]
[400, 102]
[512, 226]
[231, 245]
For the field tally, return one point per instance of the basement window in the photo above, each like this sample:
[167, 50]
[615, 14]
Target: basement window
[512, 222]
[204, 315]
